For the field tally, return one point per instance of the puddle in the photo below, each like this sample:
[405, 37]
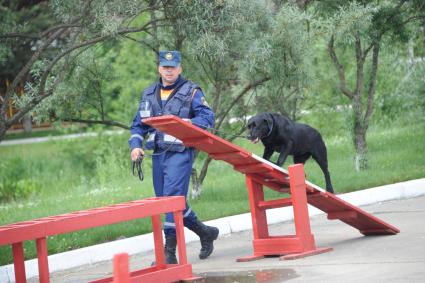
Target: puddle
[252, 276]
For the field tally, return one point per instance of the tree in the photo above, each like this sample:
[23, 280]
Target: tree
[73, 28]
[269, 52]
[103, 82]
[363, 28]
[231, 65]
[289, 64]
[224, 59]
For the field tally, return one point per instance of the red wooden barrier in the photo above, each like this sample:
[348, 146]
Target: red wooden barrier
[39, 229]
[122, 275]
[260, 172]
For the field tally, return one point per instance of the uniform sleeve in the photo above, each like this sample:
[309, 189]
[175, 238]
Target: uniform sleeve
[137, 130]
[203, 116]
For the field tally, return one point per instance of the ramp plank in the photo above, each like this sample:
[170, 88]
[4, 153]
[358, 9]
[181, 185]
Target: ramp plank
[269, 174]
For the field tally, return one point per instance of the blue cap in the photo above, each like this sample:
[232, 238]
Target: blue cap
[169, 58]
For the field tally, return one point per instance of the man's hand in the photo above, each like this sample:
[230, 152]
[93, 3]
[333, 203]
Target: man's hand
[136, 152]
[187, 120]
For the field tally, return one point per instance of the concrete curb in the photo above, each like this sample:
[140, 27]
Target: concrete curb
[227, 225]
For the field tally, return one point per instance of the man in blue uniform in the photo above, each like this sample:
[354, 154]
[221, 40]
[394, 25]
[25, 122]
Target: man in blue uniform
[172, 161]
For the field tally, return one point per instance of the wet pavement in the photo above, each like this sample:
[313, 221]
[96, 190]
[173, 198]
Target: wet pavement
[355, 258]
[250, 276]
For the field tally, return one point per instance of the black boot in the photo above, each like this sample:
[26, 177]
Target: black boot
[170, 249]
[207, 235]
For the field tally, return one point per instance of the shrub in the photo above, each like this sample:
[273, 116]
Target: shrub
[15, 181]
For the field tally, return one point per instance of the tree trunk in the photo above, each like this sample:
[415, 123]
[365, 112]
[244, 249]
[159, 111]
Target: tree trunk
[196, 186]
[197, 181]
[27, 123]
[360, 144]
[3, 129]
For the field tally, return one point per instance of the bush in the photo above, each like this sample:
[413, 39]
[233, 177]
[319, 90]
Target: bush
[15, 181]
[20, 189]
[111, 161]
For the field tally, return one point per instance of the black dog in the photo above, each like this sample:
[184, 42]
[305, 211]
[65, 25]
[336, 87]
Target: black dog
[279, 133]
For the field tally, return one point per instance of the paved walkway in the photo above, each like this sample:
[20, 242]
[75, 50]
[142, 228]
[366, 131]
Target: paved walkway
[56, 138]
[355, 258]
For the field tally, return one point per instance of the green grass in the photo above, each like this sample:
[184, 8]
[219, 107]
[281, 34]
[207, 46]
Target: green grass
[93, 172]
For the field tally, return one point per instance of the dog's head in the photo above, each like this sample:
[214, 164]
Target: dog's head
[259, 127]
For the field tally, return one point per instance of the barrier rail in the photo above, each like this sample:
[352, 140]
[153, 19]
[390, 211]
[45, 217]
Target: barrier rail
[39, 229]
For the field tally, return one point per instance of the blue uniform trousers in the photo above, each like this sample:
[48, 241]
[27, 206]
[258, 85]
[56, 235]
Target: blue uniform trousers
[171, 175]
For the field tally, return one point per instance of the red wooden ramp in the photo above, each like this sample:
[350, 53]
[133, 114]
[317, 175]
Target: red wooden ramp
[260, 172]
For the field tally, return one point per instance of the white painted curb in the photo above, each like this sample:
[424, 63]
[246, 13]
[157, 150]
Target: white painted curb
[227, 225]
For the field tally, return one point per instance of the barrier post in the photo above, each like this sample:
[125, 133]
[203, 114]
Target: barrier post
[178, 220]
[121, 269]
[158, 242]
[43, 263]
[19, 262]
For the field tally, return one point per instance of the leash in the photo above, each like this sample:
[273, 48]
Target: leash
[137, 167]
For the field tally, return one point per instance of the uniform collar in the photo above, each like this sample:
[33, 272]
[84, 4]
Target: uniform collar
[180, 80]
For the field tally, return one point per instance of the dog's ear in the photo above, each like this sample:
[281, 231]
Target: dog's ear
[269, 120]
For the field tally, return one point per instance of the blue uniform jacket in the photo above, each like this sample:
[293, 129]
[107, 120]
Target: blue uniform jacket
[187, 101]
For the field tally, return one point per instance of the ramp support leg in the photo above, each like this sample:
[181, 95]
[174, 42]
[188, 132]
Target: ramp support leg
[301, 244]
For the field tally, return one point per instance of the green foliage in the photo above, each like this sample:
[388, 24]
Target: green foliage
[15, 52]
[350, 18]
[102, 83]
[16, 180]
[396, 27]
[289, 63]
[406, 97]
[105, 16]
[226, 44]
[132, 68]
[80, 95]
[63, 53]
[215, 43]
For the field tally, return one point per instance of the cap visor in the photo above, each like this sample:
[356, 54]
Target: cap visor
[169, 64]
